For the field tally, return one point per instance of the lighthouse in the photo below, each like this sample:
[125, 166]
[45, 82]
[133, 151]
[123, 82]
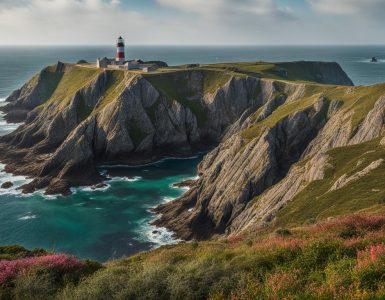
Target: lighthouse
[120, 51]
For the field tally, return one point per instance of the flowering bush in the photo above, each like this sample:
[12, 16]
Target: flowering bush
[370, 255]
[11, 268]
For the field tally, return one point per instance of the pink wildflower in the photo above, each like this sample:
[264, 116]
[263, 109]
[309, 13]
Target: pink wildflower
[370, 254]
[12, 268]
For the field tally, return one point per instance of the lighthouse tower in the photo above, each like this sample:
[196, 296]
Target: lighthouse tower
[120, 51]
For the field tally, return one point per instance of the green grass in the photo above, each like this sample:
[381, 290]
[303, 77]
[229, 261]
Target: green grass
[315, 202]
[213, 80]
[176, 86]
[16, 252]
[279, 114]
[83, 110]
[115, 85]
[357, 100]
[71, 81]
[360, 100]
[50, 80]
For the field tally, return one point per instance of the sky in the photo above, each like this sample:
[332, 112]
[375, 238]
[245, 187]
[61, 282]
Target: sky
[192, 22]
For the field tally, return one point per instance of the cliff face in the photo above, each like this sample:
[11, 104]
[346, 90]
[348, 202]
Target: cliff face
[89, 116]
[273, 125]
[276, 167]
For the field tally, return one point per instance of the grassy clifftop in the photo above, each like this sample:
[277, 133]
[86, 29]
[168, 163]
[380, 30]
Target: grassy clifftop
[58, 84]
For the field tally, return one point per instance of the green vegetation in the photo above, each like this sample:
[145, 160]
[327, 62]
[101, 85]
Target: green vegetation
[115, 86]
[69, 82]
[360, 100]
[136, 133]
[339, 259]
[357, 100]
[177, 86]
[213, 80]
[279, 114]
[15, 252]
[49, 82]
[83, 110]
[38, 274]
[316, 202]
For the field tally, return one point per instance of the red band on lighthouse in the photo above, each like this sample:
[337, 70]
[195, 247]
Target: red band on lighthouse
[120, 58]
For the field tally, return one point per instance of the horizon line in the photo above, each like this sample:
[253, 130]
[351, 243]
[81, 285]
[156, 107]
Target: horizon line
[192, 45]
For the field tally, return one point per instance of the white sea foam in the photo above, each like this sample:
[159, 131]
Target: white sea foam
[167, 199]
[186, 188]
[16, 180]
[6, 127]
[92, 188]
[125, 178]
[159, 236]
[28, 217]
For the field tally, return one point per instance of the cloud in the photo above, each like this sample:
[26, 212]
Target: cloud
[191, 21]
[12, 3]
[228, 8]
[61, 21]
[349, 7]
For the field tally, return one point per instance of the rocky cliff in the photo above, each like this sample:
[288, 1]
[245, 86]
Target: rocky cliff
[272, 126]
[309, 152]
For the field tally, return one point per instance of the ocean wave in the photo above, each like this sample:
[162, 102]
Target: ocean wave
[159, 236]
[125, 178]
[27, 217]
[185, 188]
[167, 199]
[2, 99]
[46, 197]
[17, 181]
[92, 188]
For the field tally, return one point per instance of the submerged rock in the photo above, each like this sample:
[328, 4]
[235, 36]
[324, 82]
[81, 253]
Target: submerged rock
[7, 185]
[185, 183]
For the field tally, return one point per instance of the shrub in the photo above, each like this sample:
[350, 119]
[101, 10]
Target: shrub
[370, 255]
[339, 273]
[10, 269]
[318, 254]
[370, 269]
[283, 232]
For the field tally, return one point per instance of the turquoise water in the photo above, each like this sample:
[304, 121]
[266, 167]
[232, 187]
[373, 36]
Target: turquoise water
[114, 221]
[100, 224]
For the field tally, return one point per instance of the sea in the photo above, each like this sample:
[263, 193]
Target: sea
[114, 221]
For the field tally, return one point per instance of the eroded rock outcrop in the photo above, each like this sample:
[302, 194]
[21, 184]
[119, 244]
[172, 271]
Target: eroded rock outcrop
[247, 179]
